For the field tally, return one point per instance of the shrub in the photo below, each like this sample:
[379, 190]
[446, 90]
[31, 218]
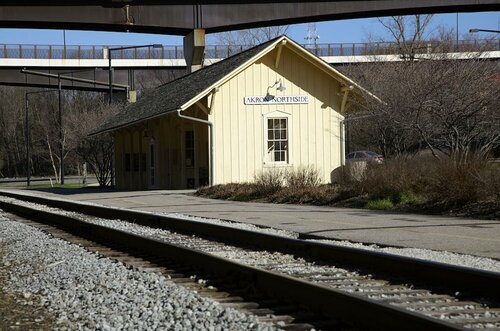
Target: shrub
[316, 195]
[380, 204]
[445, 181]
[270, 181]
[457, 183]
[390, 179]
[471, 187]
[303, 177]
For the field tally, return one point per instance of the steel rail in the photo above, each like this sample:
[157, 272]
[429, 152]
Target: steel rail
[468, 282]
[348, 308]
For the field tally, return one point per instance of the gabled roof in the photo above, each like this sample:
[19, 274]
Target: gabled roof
[172, 95]
[186, 90]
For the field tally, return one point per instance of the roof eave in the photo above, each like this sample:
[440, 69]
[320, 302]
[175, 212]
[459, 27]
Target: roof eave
[119, 127]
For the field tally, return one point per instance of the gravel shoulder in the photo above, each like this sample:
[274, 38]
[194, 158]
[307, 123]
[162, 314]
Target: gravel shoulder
[84, 291]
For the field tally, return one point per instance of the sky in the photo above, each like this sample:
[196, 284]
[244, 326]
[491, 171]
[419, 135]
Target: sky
[343, 31]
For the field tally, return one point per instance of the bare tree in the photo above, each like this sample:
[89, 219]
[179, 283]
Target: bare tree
[12, 141]
[45, 130]
[408, 32]
[150, 79]
[83, 111]
[250, 37]
[89, 110]
[448, 106]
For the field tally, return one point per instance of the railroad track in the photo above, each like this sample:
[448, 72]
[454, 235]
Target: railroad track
[338, 287]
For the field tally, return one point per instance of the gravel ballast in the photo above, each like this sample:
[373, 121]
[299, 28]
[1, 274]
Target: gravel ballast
[465, 260]
[85, 291]
[284, 264]
[458, 259]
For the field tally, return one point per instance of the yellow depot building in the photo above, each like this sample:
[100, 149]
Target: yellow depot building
[274, 105]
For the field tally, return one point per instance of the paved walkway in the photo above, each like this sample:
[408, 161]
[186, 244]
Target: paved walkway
[476, 237]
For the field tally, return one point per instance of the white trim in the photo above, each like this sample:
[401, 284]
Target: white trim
[265, 155]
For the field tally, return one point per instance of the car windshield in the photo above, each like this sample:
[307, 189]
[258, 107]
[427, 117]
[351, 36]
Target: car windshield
[371, 153]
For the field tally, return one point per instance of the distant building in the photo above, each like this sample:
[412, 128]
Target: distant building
[274, 105]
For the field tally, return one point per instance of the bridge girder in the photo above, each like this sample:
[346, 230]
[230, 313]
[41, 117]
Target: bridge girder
[181, 17]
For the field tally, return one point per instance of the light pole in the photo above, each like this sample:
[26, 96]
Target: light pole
[27, 133]
[110, 50]
[483, 30]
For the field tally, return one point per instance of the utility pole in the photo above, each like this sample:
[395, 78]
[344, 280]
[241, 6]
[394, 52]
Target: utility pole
[110, 100]
[61, 135]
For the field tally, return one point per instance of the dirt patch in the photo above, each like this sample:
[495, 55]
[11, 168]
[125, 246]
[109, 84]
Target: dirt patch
[20, 311]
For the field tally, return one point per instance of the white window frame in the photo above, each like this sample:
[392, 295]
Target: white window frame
[277, 115]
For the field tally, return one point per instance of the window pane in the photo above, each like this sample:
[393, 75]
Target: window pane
[277, 139]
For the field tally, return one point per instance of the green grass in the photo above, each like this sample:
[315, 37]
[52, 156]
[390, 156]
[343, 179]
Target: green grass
[380, 204]
[408, 198]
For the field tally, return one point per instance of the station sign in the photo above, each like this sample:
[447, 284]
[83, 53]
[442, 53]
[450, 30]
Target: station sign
[273, 99]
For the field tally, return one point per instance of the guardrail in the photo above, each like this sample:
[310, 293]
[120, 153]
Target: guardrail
[24, 51]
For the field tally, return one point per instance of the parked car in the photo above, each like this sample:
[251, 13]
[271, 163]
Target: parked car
[364, 156]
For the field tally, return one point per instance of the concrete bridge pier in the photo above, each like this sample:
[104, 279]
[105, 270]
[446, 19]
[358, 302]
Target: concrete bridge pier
[194, 48]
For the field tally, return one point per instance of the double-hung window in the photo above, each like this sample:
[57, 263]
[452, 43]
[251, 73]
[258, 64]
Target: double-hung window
[277, 140]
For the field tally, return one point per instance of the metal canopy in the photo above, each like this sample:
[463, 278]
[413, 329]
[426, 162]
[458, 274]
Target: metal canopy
[180, 17]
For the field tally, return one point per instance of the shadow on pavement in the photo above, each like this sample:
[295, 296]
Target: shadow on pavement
[71, 191]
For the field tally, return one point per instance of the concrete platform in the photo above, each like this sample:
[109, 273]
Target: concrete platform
[461, 235]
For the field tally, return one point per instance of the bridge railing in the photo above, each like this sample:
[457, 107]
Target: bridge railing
[388, 48]
[23, 51]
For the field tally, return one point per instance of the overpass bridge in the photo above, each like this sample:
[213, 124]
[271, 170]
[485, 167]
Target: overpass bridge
[195, 18]
[57, 59]
[182, 17]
